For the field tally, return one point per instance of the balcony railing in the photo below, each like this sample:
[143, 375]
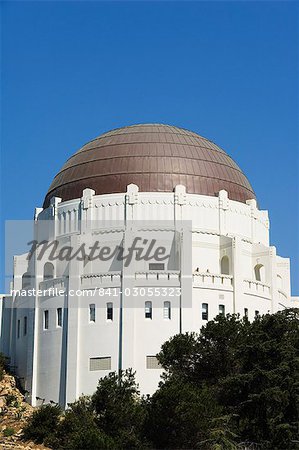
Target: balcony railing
[52, 283]
[161, 275]
[257, 288]
[101, 279]
[215, 280]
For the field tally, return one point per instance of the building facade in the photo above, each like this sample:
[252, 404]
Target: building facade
[94, 316]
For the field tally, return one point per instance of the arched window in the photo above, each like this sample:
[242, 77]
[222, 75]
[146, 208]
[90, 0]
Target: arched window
[259, 272]
[167, 310]
[48, 271]
[25, 280]
[224, 265]
[148, 310]
[279, 282]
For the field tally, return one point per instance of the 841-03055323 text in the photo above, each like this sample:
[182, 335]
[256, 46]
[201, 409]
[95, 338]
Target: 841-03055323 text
[139, 292]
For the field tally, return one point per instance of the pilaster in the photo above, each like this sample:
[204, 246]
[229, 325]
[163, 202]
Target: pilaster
[273, 280]
[237, 274]
[253, 217]
[223, 207]
[54, 202]
[86, 207]
[32, 351]
[69, 382]
[180, 199]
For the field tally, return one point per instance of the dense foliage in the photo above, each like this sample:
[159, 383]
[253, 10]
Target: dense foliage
[234, 382]
[3, 363]
[42, 424]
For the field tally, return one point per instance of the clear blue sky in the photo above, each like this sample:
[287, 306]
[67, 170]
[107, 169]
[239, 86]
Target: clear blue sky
[227, 70]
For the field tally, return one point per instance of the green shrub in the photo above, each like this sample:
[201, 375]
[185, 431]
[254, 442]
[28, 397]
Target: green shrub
[77, 430]
[9, 432]
[10, 399]
[2, 365]
[235, 382]
[42, 424]
[119, 411]
[90, 438]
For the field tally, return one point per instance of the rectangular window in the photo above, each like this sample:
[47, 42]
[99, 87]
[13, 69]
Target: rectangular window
[59, 317]
[109, 311]
[246, 312]
[152, 363]
[25, 325]
[92, 312]
[148, 310]
[46, 319]
[222, 310]
[19, 328]
[167, 310]
[204, 311]
[100, 363]
[156, 266]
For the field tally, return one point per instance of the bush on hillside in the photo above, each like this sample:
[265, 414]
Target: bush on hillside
[42, 424]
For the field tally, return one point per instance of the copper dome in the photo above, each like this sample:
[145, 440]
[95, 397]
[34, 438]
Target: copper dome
[156, 158]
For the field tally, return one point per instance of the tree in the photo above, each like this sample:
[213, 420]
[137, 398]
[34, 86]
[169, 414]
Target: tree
[112, 418]
[42, 424]
[119, 411]
[235, 382]
[220, 435]
[208, 356]
[252, 368]
[178, 356]
[180, 415]
[77, 429]
[264, 393]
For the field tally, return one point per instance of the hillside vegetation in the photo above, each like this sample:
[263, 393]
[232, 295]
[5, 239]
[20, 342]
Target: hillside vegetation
[233, 386]
[14, 414]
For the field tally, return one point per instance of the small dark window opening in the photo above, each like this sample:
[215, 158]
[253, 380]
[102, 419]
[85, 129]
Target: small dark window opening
[205, 311]
[109, 311]
[59, 317]
[25, 325]
[46, 320]
[222, 310]
[148, 310]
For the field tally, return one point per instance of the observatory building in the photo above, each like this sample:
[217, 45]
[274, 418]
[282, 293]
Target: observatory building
[71, 320]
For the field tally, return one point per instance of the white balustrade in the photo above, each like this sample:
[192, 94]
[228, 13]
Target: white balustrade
[218, 281]
[95, 280]
[257, 288]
